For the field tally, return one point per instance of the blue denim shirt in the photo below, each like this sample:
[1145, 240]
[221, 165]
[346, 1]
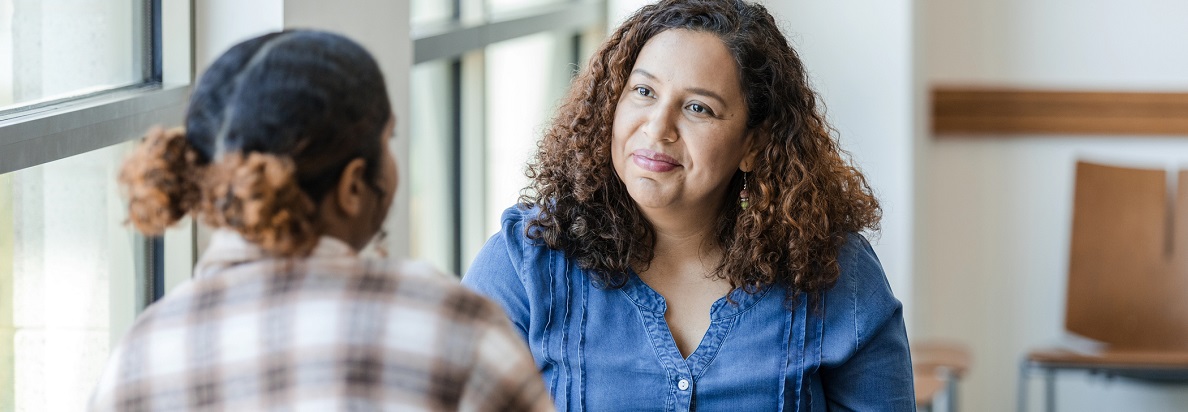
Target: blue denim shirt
[610, 349]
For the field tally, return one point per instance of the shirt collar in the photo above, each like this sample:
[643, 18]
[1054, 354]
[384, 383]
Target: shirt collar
[648, 299]
[228, 248]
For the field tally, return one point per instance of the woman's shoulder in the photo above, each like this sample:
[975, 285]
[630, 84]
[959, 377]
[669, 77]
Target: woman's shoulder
[859, 264]
[862, 287]
[414, 279]
[516, 221]
[406, 295]
[514, 269]
[388, 286]
[515, 245]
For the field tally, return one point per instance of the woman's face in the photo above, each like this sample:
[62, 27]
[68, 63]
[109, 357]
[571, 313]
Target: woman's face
[680, 128]
[358, 226]
[388, 177]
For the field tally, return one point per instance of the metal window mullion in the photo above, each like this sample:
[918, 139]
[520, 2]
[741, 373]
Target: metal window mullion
[456, 165]
[155, 258]
[156, 43]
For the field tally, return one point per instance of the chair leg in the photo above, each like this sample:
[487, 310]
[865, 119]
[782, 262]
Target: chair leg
[1024, 374]
[950, 390]
[1050, 390]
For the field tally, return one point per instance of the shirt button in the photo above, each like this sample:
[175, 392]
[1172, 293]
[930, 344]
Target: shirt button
[683, 384]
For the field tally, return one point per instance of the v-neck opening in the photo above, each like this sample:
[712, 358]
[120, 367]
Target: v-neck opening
[722, 319]
[651, 300]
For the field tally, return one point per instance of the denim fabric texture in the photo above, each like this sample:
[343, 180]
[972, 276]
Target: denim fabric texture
[604, 349]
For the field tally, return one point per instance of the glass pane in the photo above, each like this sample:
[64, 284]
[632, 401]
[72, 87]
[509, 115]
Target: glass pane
[51, 49]
[499, 6]
[522, 93]
[432, 11]
[67, 279]
[432, 164]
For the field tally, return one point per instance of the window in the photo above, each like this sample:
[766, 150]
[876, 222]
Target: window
[57, 49]
[497, 6]
[68, 278]
[80, 80]
[433, 11]
[434, 163]
[487, 80]
[521, 98]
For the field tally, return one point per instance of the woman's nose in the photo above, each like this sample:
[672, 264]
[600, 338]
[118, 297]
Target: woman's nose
[661, 123]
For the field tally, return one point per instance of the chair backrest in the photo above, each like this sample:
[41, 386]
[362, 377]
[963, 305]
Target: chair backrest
[1180, 220]
[1127, 280]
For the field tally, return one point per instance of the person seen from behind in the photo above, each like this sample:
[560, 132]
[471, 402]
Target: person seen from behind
[284, 151]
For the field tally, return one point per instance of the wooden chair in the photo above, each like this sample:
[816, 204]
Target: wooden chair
[1127, 280]
[929, 386]
[937, 366]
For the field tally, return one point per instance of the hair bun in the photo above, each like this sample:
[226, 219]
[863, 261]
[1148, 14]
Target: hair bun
[258, 196]
[160, 178]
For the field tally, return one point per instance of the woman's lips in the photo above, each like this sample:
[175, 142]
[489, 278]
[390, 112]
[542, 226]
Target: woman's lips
[654, 161]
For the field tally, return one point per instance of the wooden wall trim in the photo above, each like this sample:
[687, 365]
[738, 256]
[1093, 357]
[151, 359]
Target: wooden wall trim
[972, 112]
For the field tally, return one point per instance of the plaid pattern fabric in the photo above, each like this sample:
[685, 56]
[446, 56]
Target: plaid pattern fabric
[328, 332]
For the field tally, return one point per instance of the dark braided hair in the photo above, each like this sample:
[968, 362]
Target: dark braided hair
[270, 127]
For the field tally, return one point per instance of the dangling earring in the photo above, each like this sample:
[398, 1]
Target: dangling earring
[744, 198]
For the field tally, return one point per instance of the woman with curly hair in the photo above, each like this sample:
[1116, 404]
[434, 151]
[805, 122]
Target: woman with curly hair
[690, 239]
[285, 152]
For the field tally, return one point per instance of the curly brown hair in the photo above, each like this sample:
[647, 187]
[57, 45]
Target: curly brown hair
[270, 127]
[805, 196]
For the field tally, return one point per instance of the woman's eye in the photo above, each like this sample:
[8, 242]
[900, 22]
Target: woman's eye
[643, 91]
[699, 109]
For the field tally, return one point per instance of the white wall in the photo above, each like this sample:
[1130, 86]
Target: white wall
[860, 57]
[995, 212]
[381, 26]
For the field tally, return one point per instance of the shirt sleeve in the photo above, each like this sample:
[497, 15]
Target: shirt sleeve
[867, 364]
[503, 376]
[497, 271]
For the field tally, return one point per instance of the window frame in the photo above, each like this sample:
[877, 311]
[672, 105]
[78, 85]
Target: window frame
[39, 133]
[461, 42]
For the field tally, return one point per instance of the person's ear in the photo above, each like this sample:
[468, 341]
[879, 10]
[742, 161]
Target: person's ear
[350, 191]
[754, 142]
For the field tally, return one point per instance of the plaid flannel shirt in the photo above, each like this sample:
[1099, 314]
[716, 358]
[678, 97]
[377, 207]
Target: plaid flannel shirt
[329, 332]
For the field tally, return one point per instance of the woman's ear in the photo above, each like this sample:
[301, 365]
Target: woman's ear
[756, 139]
[350, 191]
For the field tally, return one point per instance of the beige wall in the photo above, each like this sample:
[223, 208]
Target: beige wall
[995, 212]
